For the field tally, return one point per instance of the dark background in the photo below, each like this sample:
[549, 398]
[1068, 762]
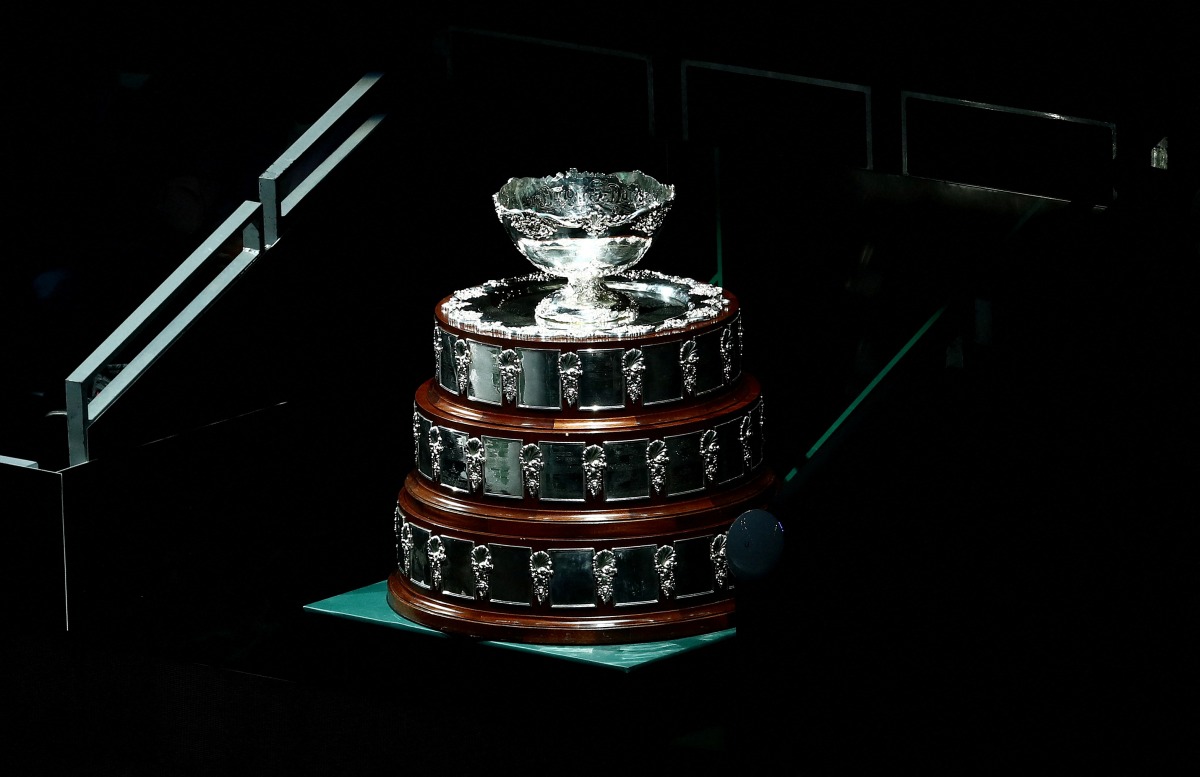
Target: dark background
[983, 571]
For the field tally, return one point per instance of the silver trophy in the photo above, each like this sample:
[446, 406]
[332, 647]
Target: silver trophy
[584, 227]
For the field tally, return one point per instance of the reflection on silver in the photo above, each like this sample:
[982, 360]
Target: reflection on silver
[417, 437]
[435, 451]
[664, 563]
[634, 366]
[727, 353]
[593, 468]
[462, 365]
[657, 460]
[541, 569]
[1158, 155]
[584, 227]
[709, 448]
[688, 356]
[474, 454]
[747, 429]
[716, 554]
[506, 307]
[406, 546]
[569, 370]
[437, 350]
[604, 564]
[510, 371]
[481, 565]
[437, 557]
[531, 468]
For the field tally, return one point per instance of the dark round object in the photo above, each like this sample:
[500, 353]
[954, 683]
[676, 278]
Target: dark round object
[754, 545]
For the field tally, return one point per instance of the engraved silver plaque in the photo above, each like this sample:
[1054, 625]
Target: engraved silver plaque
[693, 567]
[447, 374]
[664, 376]
[638, 581]
[418, 559]
[685, 465]
[538, 382]
[502, 474]
[573, 583]
[511, 581]
[454, 462]
[730, 459]
[458, 576]
[562, 471]
[604, 384]
[484, 375]
[627, 470]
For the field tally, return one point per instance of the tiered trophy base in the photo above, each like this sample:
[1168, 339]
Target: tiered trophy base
[668, 577]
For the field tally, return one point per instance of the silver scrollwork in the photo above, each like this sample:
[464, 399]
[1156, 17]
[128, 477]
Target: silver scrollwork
[531, 468]
[593, 469]
[741, 338]
[688, 357]
[398, 528]
[542, 569]
[664, 564]
[716, 554]
[481, 565]
[709, 448]
[509, 363]
[745, 433]
[435, 451]
[437, 351]
[727, 353]
[437, 558]
[417, 437]
[605, 565]
[569, 369]
[634, 367]
[656, 462]
[406, 546]
[462, 365]
[473, 452]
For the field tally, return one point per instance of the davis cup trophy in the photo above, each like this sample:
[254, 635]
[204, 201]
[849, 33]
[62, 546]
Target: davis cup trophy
[588, 436]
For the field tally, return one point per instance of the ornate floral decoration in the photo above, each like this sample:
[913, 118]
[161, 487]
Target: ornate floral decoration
[406, 546]
[481, 565]
[437, 351]
[474, 454]
[569, 369]
[604, 564]
[688, 357]
[542, 569]
[462, 365]
[716, 554]
[593, 468]
[727, 353]
[633, 366]
[437, 558]
[509, 363]
[656, 462]
[531, 468]
[435, 451]
[745, 433]
[664, 564]
[709, 448]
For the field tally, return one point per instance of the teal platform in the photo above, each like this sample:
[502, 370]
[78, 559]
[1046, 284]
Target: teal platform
[369, 605]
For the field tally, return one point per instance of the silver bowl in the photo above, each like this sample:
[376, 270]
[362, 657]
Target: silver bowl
[583, 227]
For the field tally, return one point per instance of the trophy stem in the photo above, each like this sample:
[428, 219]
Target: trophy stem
[585, 301]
